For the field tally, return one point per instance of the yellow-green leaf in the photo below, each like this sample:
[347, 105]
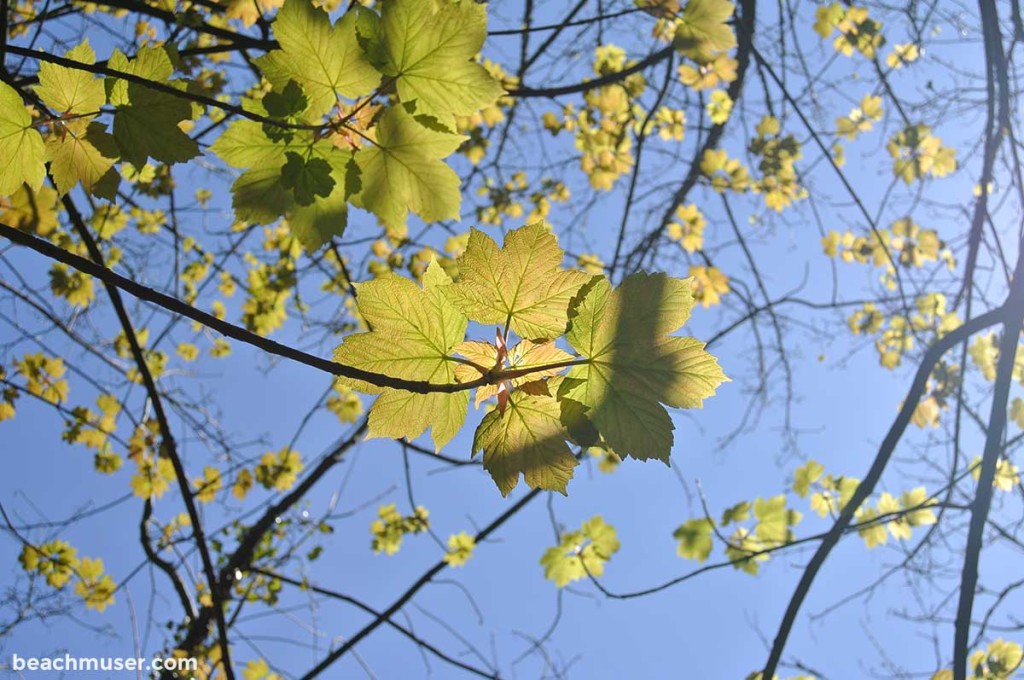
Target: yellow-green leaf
[84, 153]
[415, 331]
[260, 196]
[22, 151]
[245, 145]
[327, 61]
[69, 90]
[403, 172]
[694, 538]
[277, 471]
[523, 285]
[805, 476]
[635, 366]
[95, 587]
[460, 549]
[703, 32]
[1017, 412]
[431, 50]
[774, 520]
[581, 553]
[528, 438]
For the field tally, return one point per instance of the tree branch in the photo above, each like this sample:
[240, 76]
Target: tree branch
[111, 278]
[745, 47]
[646, 62]
[333, 594]
[426, 578]
[866, 487]
[168, 447]
[241, 559]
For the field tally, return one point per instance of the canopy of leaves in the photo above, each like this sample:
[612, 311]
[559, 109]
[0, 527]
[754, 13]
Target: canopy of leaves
[349, 175]
[625, 369]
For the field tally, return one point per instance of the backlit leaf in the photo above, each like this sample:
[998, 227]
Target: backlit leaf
[326, 60]
[403, 172]
[522, 285]
[528, 438]
[431, 50]
[694, 538]
[68, 90]
[22, 151]
[146, 120]
[84, 153]
[703, 31]
[581, 553]
[635, 366]
[415, 331]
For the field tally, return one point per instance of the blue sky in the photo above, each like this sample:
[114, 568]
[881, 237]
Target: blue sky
[715, 626]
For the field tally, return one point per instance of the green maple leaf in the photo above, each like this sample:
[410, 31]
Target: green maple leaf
[403, 171]
[527, 438]
[151, 63]
[694, 538]
[325, 217]
[306, 177]
[288, 106]
[774, 520]
[258, 195]
[245, 144]
[635, 366]
[737, 513]
[703, 31]
[84, 153]
[146, 120]
[262, 195]
[580, 553]
[22, 151]
[431, 49]
[149, 128]
[415, 331]
[805, 476]
[522, 285]
[325, 60]
[574, 417]
[68, 90]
